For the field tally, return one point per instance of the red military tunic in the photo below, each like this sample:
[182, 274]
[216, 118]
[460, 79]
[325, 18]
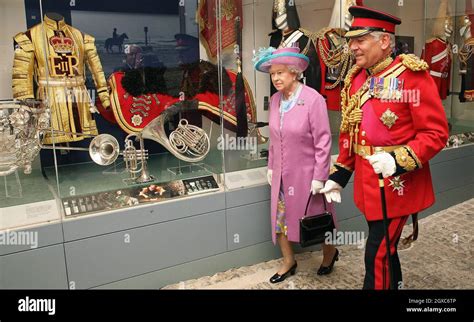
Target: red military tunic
[437, 53]
[413, 129]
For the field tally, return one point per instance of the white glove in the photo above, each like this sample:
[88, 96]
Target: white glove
[332, 191]
[383, 163]
[269, 176]
[316, 186]
[93, 109]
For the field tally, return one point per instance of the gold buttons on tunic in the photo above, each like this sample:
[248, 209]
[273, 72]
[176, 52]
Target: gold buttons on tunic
[362, 142]
[363, 133]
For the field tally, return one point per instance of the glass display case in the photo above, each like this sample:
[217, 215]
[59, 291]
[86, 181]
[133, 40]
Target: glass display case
[26, 197]
[119, 107]
[128, 104]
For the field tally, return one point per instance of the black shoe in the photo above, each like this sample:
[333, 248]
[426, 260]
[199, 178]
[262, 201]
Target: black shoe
[277, 278]
[325, 270]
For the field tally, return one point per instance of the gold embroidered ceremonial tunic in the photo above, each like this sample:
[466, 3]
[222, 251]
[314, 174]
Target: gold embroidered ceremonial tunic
[53, 55]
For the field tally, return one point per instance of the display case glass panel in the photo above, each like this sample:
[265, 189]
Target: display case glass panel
[27, 198]
[134, 109]
[163, 109]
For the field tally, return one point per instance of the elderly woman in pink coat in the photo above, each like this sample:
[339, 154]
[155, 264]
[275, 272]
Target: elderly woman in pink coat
[299, 153]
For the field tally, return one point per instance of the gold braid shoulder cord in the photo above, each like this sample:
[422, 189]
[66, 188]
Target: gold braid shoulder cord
[351, 111]
[351, 105]
[339, 57]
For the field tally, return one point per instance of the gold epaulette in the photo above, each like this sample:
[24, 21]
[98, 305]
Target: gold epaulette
[24, 42]
[310, 34]
[321, 34]
[413, 62]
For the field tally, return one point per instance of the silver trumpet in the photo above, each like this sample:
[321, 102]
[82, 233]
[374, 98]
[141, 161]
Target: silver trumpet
[104, 149]
[135, 160]
[188, 143]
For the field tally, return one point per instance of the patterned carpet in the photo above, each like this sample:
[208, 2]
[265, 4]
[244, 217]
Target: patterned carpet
[441, 258]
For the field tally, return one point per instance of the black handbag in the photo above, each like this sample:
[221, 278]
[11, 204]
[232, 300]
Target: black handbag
[313, 228]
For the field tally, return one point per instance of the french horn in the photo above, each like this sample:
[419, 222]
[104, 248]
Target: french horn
[187, 142]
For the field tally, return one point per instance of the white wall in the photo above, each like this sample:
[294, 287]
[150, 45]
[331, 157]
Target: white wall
[12, 21]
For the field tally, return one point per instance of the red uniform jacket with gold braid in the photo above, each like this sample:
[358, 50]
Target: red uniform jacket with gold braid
[333, 96]
[437, 54]
[413, 130]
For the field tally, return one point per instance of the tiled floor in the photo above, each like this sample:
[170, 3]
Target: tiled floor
[441, 258]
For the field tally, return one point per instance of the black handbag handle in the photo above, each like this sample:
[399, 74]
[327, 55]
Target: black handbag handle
[309, 199]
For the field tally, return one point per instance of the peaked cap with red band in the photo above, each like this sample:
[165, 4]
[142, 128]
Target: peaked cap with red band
[367, 20]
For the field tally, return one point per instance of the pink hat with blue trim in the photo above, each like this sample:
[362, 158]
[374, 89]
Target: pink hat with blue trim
[290, 56]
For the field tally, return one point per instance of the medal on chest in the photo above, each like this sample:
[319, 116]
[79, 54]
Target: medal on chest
[386, 88]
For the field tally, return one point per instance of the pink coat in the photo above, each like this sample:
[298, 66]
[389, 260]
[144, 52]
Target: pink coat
[298, 153]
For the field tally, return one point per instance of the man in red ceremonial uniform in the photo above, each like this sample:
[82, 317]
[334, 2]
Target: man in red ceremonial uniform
[393, 123]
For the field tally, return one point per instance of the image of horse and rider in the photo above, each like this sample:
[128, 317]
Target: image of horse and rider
[116, 40]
